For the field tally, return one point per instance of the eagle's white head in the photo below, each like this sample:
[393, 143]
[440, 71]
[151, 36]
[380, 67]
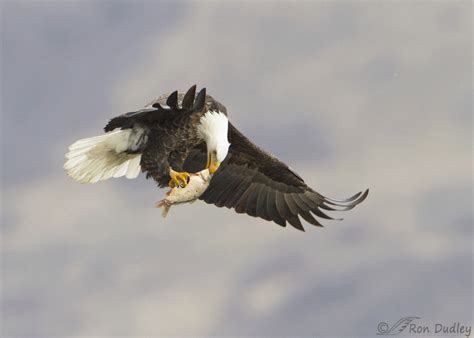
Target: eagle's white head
[213, 128]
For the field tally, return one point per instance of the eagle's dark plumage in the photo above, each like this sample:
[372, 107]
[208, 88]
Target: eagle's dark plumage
[169, 134]
[254, 182]
[249, 180]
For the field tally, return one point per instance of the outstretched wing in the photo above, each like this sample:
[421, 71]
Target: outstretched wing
[254, 182]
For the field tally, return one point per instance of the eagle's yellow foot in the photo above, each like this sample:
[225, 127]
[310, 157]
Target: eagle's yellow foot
[179, 179]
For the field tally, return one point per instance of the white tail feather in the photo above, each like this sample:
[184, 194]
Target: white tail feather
[101, 157]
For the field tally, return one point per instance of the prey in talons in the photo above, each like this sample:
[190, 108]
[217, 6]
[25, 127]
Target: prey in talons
[197, 184]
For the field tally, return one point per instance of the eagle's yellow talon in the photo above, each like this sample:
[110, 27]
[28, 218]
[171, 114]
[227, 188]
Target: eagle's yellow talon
[179, 179]
[173, 183]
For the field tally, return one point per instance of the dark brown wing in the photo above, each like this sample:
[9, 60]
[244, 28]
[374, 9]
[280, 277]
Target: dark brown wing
[254, 182]
[157, 115]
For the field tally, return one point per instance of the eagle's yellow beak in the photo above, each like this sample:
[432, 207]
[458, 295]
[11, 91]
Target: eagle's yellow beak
[213, 167]
[212, 163]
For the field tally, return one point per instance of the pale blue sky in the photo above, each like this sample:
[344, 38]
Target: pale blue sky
[350, 94]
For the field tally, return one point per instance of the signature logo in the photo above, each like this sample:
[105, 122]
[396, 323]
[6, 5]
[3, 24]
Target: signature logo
[397, 328]
[413, 326]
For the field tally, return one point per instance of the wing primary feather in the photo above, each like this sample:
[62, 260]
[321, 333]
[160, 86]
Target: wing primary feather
[232, 201]
[295, 222]
[215, 188]
[262, 204]
[309, 202]
[309, 218]
[351, 202]
[272, 209]
[221, 186]
[313, 207]
[363, 197]
[200, 100]
[291, 203]
[242, 202]
[281, 205]
[229, 191]
[232, 183]
[188, 99]
[300, 202]
[328, 208]
[172, 100]
[321, 214]
[341, 204]
[207, 194]
[314, 197]
[341, 208]
[350, 199]
[251, 205]
[287, 205]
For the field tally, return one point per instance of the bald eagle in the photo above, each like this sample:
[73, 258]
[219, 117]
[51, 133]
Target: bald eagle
[189, 132]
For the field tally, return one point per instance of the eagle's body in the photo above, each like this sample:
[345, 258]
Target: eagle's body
[188, 134]
[168, 136]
